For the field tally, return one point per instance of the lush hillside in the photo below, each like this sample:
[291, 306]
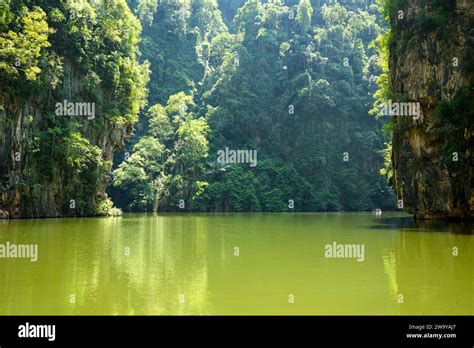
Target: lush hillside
[289, 84]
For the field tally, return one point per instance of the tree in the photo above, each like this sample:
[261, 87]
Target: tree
[168, 161]
[303, 15]
[20, 51]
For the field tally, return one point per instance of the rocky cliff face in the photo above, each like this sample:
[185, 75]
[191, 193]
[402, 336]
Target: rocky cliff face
[431, 63]
[71, 86]
[66, 191]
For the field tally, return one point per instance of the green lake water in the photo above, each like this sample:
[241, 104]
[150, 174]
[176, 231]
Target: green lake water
[173, 264]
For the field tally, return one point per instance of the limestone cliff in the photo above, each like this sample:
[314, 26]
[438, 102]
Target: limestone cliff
[431, 63]
[22, 193]
[71, 88]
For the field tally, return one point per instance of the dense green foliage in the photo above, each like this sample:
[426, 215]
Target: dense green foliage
[167, 160]
[292, 80]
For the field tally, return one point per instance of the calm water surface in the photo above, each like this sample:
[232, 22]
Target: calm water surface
[191, 258]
